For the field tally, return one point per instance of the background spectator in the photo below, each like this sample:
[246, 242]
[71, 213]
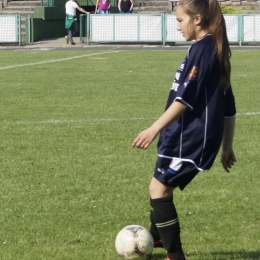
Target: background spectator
[102, 7]
[71, 22]
[125, 6]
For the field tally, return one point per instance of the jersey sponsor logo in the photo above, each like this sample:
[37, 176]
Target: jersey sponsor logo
[182, 66]
[177, 75]
[194, 72]
[175, 86]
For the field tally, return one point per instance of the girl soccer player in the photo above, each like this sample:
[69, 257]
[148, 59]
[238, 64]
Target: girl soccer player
[199, 116]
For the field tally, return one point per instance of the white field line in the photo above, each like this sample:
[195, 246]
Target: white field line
[248, 113]
[58, 60]
[96, 120]
[64, 121]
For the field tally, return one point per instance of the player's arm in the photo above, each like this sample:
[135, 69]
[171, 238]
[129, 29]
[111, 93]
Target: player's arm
[82, 10]
[119, 4]
[96, 6]
[132, 5]
[145, 138]
[228, 157]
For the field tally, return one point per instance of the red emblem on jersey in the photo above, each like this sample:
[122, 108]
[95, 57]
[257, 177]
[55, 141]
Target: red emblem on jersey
[193, 73]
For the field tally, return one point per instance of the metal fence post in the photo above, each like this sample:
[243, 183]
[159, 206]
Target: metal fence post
[88, 28]
[114, 37]
[28, 32]
[240, 29]
[19, 29]
[163, 18]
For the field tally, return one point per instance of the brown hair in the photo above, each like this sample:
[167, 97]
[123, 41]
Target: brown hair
[213, 20]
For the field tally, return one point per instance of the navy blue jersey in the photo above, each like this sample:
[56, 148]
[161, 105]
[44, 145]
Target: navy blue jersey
[196, 136]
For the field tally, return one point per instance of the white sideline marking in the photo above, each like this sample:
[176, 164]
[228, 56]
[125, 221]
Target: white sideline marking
[96, 120]
[249, 113]
[52, 61]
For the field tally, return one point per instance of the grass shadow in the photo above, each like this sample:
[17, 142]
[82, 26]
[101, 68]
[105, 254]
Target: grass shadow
[157, 256]
[240, 255]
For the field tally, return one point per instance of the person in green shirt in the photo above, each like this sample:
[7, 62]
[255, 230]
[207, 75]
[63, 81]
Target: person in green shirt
[71, 22]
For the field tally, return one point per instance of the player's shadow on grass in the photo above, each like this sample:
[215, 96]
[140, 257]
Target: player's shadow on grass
[243, 255]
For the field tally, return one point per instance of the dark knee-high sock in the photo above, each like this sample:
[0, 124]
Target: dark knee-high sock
[153, 229]
[167, 223]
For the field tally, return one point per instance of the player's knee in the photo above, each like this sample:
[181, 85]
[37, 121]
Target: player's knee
[159, 190]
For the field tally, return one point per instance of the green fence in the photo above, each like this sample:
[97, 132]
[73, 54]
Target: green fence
[10, 28]
[158, 28]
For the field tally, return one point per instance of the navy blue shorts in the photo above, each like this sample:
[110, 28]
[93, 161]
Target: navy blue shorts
[180, 176]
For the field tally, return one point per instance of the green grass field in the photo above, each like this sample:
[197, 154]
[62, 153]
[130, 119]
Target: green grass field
[70, 179]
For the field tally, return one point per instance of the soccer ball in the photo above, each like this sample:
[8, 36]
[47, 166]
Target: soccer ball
[134, 242]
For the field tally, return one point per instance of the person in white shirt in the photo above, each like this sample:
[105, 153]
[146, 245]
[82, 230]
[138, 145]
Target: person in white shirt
[71, 22]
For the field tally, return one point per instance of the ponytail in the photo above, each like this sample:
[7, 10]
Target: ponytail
[217, 27]
[213, 20]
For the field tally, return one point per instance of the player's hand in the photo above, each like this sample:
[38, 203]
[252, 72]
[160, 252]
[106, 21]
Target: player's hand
[228, 159]
[145, 138]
